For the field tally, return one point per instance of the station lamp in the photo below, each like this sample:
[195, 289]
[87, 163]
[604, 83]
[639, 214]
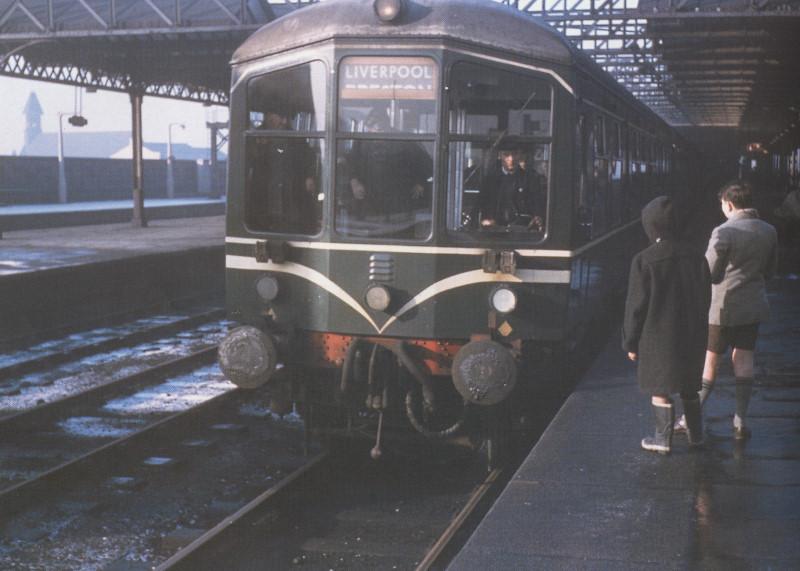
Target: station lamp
[78, 121]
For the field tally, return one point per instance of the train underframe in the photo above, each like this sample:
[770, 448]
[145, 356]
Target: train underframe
[452, 392]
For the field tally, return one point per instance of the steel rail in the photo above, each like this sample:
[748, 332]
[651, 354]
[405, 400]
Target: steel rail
[16, 498]
[38, 415]
[189, 557]
[432, 557]
[52, 359]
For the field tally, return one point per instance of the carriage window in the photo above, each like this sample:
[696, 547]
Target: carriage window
[384, 188]
[284, 149]
[297, 95]
[384, 174]
[486, 101]
[499, 152]
[499, 191]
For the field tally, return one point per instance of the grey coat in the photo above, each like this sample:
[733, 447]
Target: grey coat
[741, 254]
[666, 309]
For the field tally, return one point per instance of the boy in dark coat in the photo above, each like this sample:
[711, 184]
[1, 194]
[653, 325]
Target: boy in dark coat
[666, 325]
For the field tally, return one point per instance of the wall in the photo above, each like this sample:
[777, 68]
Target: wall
[34, 180]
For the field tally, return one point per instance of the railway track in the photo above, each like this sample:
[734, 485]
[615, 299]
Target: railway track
[52, 353]
[137, 498]
[19, 393]
[328, 516]
[42, 444]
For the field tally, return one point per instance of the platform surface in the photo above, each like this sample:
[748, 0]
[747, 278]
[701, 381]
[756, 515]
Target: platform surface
[587, 497]
[41, 249]
[30, 216]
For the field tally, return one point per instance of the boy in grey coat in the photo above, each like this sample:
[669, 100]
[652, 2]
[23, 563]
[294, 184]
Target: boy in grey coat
[666, 323]
[742, 254]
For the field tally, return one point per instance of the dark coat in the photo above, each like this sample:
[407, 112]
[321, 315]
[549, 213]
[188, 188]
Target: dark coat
[506, 195]
[669, 291]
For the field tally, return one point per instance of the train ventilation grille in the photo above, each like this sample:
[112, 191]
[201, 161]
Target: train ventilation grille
[381, 268]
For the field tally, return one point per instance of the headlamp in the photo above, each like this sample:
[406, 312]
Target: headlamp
[503, 300]
[378, 297]
[388, 10]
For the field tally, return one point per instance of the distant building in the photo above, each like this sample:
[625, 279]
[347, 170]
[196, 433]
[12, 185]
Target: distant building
[107, 145]
[83, 144]
[95, 144]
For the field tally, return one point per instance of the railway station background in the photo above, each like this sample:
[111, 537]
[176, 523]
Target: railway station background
[724, 73]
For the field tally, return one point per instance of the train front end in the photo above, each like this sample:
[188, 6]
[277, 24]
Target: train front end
[389, 232]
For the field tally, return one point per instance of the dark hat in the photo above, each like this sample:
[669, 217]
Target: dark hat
[658, 218]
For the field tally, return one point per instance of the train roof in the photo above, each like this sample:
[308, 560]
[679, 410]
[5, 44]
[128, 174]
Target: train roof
[481, 22]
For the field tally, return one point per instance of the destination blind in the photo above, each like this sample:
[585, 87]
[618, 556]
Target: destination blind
[387, 78]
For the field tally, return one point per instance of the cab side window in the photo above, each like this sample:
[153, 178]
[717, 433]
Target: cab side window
[499, 130]
[284, 150]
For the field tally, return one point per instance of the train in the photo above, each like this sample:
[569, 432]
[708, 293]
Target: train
[424, 198]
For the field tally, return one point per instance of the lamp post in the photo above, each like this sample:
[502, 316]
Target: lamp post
[76, 121]
[170, 159]
[62, 175]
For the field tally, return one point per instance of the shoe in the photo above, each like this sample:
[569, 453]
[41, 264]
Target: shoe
[693, 419]
[741, 433]
[661, 441]
[680, 425]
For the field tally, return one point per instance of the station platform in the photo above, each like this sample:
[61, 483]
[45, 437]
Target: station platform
[29, 216]
[42, 249]
[63, 278]
[588, 497]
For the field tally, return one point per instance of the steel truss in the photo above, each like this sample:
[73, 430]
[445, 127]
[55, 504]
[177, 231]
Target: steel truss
[672, 54]
[49, 40]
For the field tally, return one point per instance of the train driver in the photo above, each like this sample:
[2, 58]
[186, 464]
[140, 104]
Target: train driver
[507, 194]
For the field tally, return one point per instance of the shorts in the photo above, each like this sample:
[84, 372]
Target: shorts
[720, 337]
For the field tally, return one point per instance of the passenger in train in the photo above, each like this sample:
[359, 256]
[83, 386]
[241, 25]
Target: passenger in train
[742, 253]
[287, 194]
[535, 184]
[386, 177]
[506, 194]
[666, 323]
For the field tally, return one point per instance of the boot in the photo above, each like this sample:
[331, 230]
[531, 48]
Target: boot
[705, 390]
[744, 389]
[661, 441]
[694, 420]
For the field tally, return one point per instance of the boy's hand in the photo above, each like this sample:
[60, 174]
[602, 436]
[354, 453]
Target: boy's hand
[632, 356]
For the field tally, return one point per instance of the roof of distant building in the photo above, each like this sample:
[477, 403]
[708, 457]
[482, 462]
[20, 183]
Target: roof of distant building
[108, 144]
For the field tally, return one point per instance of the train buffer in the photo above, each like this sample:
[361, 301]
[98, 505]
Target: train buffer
[587, 497]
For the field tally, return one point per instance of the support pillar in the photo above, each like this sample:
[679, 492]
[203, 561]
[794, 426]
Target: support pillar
[138, 220]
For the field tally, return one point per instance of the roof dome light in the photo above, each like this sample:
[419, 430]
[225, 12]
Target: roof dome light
[388, 10]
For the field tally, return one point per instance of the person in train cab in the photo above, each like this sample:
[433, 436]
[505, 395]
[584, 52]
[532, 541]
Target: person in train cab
[385, 177]
[742, 254]
[665, 325]
[289, 194]
[505, 194]
[535, 185]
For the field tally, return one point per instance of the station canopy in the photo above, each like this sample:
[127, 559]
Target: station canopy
[697, 63]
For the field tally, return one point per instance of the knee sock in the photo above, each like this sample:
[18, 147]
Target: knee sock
[705, 390]
[744, 388]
